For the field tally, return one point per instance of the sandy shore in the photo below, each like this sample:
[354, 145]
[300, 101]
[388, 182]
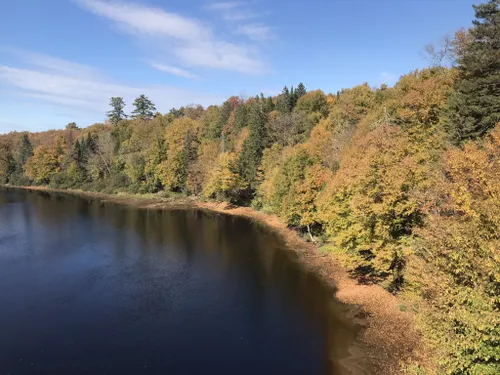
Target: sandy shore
[388, 334]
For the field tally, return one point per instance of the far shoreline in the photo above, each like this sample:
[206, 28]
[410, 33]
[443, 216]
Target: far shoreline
[388, 335]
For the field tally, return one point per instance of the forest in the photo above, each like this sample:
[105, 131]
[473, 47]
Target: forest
[401, 184]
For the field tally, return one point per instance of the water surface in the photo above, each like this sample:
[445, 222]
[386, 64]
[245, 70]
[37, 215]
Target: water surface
[89, 287]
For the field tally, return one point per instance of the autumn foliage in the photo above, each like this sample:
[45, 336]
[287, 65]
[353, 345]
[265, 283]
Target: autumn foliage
[387, 180]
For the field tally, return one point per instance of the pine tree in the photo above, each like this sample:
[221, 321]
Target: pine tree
[25, 150]
[144, 108]
[474, 108]
[116, 114]
[176, 113]
[284, 101]
[90, 144]
[224, 114]
[240, 117]
[293, 98]
[254, 145]
[72, 126]
[188, 154]
[269, 106]
[300, 91]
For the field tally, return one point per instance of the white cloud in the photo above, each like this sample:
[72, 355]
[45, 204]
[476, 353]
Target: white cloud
[90, 92]
[173, 70]
[136, 18]
[232, 10]
[227, 5]
[190, 41]
[255, 31]
[52, 64]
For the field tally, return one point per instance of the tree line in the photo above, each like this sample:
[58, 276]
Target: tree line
[401, 183]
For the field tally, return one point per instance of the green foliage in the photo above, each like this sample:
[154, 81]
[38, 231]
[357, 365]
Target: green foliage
[313, 101]
[251, 154]
[284, 102]
[370, 172]
[25, 151]
[474, 107]
[116, 114]
[7, 162]
[72, 126]
[300, 91]
[144, 108]
[240, 117]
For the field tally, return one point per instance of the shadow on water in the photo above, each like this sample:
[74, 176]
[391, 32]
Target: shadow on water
[95, 287]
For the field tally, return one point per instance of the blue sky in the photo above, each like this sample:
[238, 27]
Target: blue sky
[61, 60]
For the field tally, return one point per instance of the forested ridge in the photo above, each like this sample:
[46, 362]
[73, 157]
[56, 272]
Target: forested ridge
[401, 184]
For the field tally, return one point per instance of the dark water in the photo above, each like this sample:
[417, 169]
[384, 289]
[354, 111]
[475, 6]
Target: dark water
[88, 287]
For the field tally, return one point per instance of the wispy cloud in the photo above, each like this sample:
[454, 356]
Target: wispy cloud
[191, 42]
[233, 10]
[225, 5]
[71, 89]
[255, 31]
[173, 70]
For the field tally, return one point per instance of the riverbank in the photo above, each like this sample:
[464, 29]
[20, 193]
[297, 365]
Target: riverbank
[388, 334]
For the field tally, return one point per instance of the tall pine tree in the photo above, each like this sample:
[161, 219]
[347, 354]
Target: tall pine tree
[240, 117]
[116, 114]
[474, 108]
[144, 108]
[254, 145]
[300, 91]
[25, 150]
[284, 101]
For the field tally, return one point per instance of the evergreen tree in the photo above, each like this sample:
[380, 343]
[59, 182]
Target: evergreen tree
[251, 154]
[176, 113]
[284, 101]
[144, 108]
[240, 117]
[267, 103]
[300, 91]
[224, 114]
[76, 154]
[270, 104]
[25, 150]
[72, 126]
[116, 114]
[90, 144]
[187, 156]
[474, 108]
[293, 98]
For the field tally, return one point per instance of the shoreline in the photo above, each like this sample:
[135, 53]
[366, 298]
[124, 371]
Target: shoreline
[387, 334]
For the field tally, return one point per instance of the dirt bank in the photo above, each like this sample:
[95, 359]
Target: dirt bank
[388, 334]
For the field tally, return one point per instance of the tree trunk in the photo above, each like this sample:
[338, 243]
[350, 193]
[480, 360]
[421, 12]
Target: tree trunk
[310, 234]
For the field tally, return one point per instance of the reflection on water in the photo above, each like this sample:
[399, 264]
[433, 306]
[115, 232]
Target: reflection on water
[90, 287]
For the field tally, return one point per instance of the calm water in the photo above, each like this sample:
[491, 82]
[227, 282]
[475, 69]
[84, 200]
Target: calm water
[88, 287]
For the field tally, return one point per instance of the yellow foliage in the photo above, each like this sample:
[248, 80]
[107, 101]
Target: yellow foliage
[368, 209]
[44, 164]
[461, 246]
[200, 169]
[224, 180]
[172, 172]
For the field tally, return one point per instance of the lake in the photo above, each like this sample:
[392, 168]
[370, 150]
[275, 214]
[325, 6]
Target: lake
[89, 287]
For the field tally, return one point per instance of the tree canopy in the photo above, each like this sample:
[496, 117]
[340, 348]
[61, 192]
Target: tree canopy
[369, 174]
